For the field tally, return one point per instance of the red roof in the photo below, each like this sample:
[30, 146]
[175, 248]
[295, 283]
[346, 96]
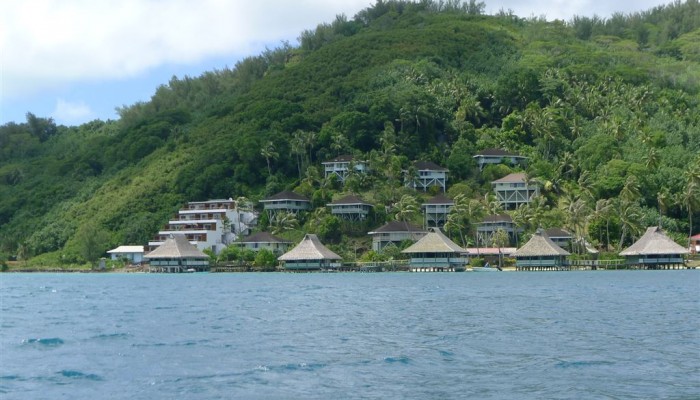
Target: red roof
[695, 237]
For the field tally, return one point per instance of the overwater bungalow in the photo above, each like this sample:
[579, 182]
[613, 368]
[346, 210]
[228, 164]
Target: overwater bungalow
[655, 250]
[435, 252]
[540, 253]
[309, 255]
[177, 254]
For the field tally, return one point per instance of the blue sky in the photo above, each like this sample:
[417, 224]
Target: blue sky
[78, 60]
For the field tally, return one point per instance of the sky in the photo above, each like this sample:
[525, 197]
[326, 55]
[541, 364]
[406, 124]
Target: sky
[78, 60]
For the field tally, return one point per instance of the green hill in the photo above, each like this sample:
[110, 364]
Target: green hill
[605, 109]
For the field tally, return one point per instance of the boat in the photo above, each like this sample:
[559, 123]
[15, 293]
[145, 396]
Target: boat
[487, 268]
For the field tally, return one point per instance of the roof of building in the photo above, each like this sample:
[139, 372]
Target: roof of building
[440, 199]
[654, 241]
[310, 248]
[490, 251]
[397, 226]
[434, 242]
[350, 199]
[341, 158]
[428, 166]
[540, 245]
[263, 237]
[497, 218]
[286, 195]
[518, 177]
[695, 237]
[176, 246]
[496, 153]
[557, 233]
[127, 249]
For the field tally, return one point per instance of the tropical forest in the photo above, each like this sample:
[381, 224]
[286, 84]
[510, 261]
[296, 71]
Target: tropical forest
[606, 110]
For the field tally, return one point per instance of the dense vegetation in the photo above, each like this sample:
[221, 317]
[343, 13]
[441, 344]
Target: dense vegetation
[607, 110]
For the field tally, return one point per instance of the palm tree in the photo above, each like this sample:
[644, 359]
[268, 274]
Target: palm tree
[283, 222]
[242, 205]
[690, 197]
[298, 150]
[603, 208]
[268, 151]
[629, 214]
[405, 209]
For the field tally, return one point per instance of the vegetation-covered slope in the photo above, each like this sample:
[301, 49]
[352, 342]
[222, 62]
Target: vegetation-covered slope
[606, 110]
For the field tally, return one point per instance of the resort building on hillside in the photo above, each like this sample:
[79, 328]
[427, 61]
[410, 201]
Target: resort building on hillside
[286, 201]
[540, 254]
[209, 224]
[428, 175]
[695, 244]
[487, 228]
[435, 211]
[177, 254]
[310, 254]
[343, 165]
[655, 250]
[514, 190]
[133, 254]
[560, 237]
[491, 254]
[350, 208]
[435, 252]
[497, 156]
[264, 240]
[393, 233]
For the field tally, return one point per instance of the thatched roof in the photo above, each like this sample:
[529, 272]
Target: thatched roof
[518, 177]
[397, 226]
[176, 246]
[440, 199]
[310, 248]
[654, 241]
[286, 195]
[263, 237]
[540, 245]
[434, 242]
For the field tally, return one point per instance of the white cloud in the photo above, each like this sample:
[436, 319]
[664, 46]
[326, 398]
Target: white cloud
[54, 43]
[69, 113]
[46, 43]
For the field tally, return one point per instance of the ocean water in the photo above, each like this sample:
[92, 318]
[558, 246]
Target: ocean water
[550, 335]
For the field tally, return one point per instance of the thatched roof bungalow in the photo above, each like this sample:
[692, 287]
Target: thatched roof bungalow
[435, 252]
[177, 254]
[655, 250]
[310, 254]
[540, 253]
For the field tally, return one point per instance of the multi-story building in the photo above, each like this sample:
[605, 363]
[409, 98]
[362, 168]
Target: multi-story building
[342, 165]
[436, 210]
[395, 232]
[514, 190]
[492, 224]
[498, 156]
[428, 174]
[350, 208]
[209, 224]
[286, 201]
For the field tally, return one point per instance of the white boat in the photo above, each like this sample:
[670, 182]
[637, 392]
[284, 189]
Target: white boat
[487, 268]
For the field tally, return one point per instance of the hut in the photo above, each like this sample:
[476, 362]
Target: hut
[498, 156]
[436, 210]
[540, 253]
[177, 254]
[694, 244]
[435, 252]
[310, 254]
[285, 201]
[350, 208]
[655, 250]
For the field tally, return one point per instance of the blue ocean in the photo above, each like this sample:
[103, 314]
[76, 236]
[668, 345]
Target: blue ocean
[505, 335]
